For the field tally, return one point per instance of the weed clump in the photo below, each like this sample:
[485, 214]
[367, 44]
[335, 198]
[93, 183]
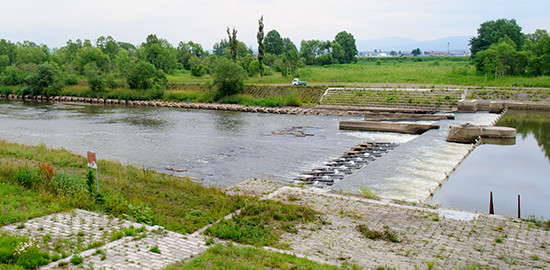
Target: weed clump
[387, 234]
[261, 222]
[21, 251]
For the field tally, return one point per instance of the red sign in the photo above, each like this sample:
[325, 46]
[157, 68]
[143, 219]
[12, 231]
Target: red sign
[92, 163]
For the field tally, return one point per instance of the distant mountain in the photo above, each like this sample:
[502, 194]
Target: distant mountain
[456, 43]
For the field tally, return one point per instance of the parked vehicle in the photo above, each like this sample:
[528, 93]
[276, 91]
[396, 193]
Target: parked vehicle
[297, 81]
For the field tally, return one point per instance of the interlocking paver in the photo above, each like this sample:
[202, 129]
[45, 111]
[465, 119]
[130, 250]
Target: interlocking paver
[124, 253]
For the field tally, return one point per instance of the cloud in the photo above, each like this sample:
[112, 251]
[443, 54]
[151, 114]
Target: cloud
[54, 22]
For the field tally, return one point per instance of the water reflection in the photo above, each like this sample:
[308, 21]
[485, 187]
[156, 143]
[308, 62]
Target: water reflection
[530, 122]
[506, 170]
[228, 121]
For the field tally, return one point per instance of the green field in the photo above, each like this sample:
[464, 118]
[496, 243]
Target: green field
[419, 70]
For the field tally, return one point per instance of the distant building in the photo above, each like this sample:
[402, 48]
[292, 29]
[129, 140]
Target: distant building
[434, 53]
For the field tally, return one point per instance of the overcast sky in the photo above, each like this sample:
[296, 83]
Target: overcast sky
[205, 21]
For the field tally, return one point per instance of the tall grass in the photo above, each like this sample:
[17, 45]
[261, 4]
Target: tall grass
[177, 204]
[238, 257]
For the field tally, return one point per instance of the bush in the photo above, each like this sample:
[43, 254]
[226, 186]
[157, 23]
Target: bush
[198, 70]
[71, 79]
[45, 80]
[97, 83]
[143, 75]
[12, 76]
[228, 78]
[6, 91]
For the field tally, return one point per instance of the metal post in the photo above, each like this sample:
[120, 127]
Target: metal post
[491, 209]
[97, 180]
[519, 208]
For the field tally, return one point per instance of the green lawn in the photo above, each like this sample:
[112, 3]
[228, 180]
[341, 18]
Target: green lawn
[234, 257]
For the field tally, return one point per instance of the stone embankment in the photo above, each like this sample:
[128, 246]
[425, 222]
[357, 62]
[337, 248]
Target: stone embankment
[185, 105]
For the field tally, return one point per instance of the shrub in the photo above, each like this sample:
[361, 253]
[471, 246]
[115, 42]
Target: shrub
[198, 70]
[228, 78]
[6, 91]
[33, 257]
[143, 75]
[96, 83]
[292, 99]
[12, 76]
[45, 80]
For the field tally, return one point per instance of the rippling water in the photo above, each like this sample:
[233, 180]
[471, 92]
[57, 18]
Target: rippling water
[223, 148]
[414, 170]
[219, 147]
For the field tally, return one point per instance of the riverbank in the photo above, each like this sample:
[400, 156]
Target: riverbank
[435, 238]
[351, 100]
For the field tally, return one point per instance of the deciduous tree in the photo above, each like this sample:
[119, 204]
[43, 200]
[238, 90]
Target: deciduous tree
[228, 78]
[233, 43]
[349, 49]
[491, 32]
[274, 43]
[261, 45]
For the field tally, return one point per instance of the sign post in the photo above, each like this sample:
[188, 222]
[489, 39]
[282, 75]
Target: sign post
[92, 163]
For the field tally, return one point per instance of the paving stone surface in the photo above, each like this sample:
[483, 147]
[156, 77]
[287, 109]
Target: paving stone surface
[446, 238]
[91, 236]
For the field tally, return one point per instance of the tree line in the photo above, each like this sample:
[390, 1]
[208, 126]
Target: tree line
[500, 49]
[107, 63]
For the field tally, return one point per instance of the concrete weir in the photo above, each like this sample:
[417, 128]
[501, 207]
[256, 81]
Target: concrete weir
[416, 169]
[467, 133]
[353, 160]
[387, 116]
[409, 128]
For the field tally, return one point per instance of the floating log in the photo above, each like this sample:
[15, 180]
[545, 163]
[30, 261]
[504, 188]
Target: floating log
[409, 128]
[467, 133]
[386, 116]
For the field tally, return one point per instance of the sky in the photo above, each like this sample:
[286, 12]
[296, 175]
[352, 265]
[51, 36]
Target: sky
[54, 22]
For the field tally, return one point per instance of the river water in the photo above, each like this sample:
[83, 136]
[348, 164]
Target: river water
[219, 147]
[506, 170]
[222, 148]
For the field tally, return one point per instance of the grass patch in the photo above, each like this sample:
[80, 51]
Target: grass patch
[19, 252]
[261, 222]
[233, 257]
[31, 191]
[385, 234]
[155, 249]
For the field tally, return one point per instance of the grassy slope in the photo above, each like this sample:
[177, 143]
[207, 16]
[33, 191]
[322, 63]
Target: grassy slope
[176, 204]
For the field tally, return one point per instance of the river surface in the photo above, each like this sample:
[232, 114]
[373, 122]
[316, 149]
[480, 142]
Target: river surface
[219, 147]
[223, 148]
[506, 170]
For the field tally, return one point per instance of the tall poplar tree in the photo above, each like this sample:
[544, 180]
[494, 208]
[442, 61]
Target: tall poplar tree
[261, 47]
[233, 43]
